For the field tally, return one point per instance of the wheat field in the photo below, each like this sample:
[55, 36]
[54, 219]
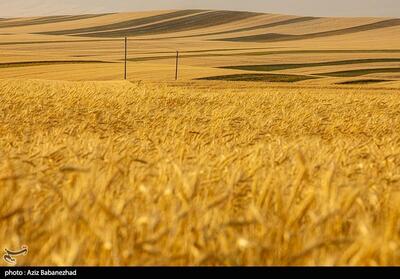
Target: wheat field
[278, 144]
[200, 173]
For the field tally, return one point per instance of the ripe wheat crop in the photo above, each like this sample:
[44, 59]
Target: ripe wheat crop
[109, 173]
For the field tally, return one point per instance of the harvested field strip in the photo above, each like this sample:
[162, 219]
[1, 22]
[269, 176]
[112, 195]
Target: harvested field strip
[269, 25]
[326, 51]
[362, 72]
[263, 26]
[260, 77]
[57, 42]
[205, 85]
[364, 81]
[277, 67]
[183, 55]
[125, 24]
[45, 20]
[151, 58]
[276, 37]
[204, 50]
[46, 63]
[197, 21]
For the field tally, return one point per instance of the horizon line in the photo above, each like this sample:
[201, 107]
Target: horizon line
[165, 10]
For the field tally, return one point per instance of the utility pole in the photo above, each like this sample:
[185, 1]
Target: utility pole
[177, 64]
[126, 56]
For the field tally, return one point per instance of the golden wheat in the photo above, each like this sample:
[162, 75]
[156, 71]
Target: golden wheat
[109, 173]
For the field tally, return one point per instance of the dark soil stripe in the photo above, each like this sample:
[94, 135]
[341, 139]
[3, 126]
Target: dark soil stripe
[275, 37]
[45, 20]
[57, 42]
[197, 21]
[263, 26]
[364, 81]
[125, 24]
[260, 77]
[45, 63]
[362, 72]
[327, 51]
[277, 67]
[185, 55]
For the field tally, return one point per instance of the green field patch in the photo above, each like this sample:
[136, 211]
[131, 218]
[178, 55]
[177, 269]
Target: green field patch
[362, 72]
[277, 67]
[363, 81]
[260, 78]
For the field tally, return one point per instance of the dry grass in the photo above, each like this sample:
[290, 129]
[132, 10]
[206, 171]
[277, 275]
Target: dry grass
[141, 174]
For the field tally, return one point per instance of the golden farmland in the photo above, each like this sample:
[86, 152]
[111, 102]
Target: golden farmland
[210, 43]
[301, 168]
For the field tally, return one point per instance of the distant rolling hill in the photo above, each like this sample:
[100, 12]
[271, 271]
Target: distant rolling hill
[214, 44]
[220, 25]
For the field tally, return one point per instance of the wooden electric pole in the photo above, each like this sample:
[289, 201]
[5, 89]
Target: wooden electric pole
[126, 56]
[177, 65]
